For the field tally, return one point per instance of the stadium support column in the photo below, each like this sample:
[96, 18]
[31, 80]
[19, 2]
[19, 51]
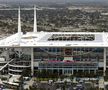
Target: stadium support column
[35, 20]
[72, 71]
[32, 60]
[104, 61]
[7, 54]
[19, 26]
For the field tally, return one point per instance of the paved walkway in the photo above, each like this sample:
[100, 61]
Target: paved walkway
[28, 83]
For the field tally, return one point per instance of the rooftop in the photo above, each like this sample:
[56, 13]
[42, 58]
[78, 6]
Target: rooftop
[56, 39]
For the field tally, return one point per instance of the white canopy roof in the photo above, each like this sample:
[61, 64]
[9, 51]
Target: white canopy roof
[40, 39]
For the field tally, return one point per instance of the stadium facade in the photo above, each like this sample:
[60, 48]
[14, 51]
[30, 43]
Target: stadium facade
[63, 52]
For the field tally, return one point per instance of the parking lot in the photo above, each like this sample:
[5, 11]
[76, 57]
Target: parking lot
[66, 85]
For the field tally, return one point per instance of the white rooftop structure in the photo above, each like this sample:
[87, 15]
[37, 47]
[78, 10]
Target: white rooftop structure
[41, 39]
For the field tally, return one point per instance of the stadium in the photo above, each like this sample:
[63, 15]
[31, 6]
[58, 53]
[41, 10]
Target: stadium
[63, 52]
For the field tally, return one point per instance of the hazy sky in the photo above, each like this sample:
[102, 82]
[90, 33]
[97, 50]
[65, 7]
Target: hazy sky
[104, 2]
[60, 0]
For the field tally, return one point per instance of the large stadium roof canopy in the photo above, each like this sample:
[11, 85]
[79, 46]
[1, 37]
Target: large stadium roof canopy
[56, 39]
